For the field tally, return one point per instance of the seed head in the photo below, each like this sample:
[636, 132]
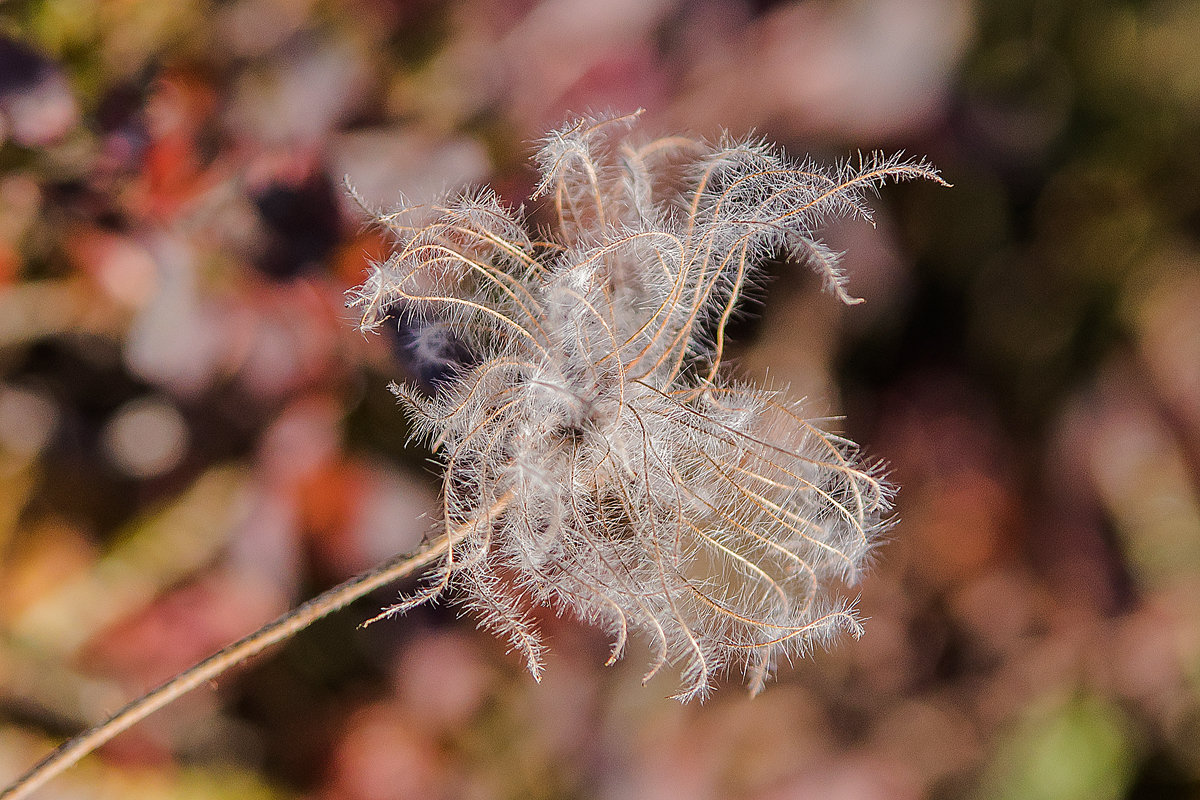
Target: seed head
[597, 457]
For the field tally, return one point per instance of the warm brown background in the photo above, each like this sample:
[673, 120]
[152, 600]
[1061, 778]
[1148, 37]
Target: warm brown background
[193, 437]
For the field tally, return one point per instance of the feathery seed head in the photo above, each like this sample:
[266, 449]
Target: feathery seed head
[597, 457]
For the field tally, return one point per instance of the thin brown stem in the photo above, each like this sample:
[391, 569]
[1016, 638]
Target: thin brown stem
[68, 753]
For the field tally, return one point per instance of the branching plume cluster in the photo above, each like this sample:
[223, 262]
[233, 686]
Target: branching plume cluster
[598, 458]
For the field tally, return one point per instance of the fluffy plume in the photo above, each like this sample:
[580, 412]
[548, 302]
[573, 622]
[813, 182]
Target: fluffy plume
[597, 457]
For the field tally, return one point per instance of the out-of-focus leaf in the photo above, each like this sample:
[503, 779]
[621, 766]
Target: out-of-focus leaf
[155, 551]
[1081, 749]
[36, 104]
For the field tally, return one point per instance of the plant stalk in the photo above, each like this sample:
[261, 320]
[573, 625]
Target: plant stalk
[71, 751]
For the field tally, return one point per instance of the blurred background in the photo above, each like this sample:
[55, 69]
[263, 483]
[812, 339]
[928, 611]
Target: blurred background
[194, 437]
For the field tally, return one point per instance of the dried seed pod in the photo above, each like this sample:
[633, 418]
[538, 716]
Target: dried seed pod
[597, 457]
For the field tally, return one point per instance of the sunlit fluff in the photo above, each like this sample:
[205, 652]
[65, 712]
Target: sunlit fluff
[597, 456]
